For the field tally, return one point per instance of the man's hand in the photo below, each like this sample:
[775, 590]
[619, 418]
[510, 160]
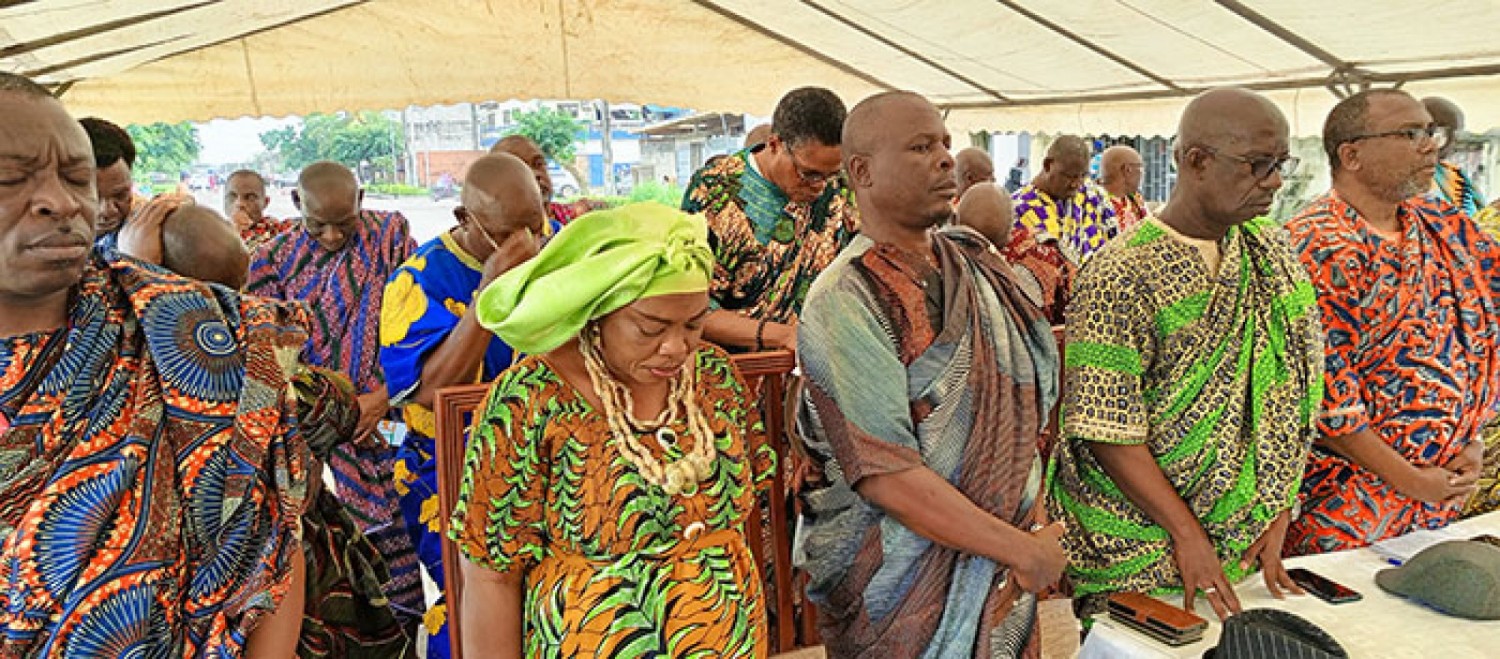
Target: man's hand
[241, 220]
[373, 407]
[1433, 484]
[140, 236]
[1266, 550]
[780, 336]
[1201, 570]
[1465, 468]
[1044, 563]
[514, 250]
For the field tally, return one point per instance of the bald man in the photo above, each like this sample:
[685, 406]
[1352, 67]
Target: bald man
[929, 375]
[1059, 206]
[1194, 358]
[558, 213]
[199, 243]
[971, 167]
[1120, 173]
[245, 201]
[1409, 290]
[987, 208]
[430, 337]
[1450, 183]
[757, 135]
[335, 263]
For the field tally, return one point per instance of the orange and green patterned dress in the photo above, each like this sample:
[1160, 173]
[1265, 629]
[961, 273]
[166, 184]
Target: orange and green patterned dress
[614, 567]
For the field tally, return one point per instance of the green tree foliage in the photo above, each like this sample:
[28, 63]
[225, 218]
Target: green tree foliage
[555, 133]
[348, 138]
[167, 148]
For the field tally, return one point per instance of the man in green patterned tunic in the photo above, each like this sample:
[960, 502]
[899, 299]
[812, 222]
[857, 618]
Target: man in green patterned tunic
[778, 212]
[1194, 363]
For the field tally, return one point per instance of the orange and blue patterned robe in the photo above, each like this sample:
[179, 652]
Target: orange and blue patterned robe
[151, 474]
[1412, 325]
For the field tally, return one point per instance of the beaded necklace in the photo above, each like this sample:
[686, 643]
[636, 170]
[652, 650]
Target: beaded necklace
[680, 476]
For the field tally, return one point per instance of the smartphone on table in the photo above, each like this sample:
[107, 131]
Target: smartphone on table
[1322, 587]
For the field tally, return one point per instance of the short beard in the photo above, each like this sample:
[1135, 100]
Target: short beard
[1412, 187]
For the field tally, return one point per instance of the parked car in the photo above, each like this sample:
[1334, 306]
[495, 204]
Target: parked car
[564, 185]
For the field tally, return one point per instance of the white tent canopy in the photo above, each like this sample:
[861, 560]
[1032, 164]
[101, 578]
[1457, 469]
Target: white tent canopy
[1096, 66]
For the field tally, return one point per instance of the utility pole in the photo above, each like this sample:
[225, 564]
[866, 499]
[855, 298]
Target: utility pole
[607, 149]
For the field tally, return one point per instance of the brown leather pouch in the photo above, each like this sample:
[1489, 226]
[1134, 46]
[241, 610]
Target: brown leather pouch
[1161, 621]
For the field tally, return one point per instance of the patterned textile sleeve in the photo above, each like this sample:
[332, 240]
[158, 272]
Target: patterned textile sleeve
[856, 384]
[704, 196]
[270, 350]
[1335, 267]
[413, 323]
[763, 458]
[1110, 342]
[500, 519]
[264, 279]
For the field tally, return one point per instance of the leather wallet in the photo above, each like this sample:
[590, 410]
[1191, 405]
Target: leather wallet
[1161, 621]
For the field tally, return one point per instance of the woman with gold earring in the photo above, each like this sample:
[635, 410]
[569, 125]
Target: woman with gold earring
[608, 478]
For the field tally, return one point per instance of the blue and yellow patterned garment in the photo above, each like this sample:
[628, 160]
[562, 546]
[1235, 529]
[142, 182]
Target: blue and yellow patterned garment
[1451, 184]
[424, 301]
[1080, 226]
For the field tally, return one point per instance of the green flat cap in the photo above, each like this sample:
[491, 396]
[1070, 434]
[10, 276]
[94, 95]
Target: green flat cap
[1457, 577]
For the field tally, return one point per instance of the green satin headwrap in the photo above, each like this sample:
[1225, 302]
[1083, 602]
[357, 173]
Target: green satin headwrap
[600, 262]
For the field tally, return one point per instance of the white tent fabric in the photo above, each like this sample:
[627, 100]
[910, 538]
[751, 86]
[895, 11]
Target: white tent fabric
[1097, 66]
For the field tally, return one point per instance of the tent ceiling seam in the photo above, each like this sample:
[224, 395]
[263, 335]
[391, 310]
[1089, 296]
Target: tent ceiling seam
[562, 41]
[892, 44]
[1281, 32]
[96, 57]
[1090, 45]
[96, 30]
[793, 43]
[250, 77]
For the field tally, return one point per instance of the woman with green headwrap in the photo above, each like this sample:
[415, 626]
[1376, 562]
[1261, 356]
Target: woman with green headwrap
[607, 481]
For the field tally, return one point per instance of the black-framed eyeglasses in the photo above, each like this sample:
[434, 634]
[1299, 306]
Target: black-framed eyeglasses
[1262, 166]
[1435, 135]
[808, 175]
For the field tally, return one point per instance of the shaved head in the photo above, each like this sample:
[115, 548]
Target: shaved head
[329, 198]
[522, 147]
[971, 167]
[197, 242]
[865, 127]
[1064, 168]
[11, 82]
[1447, 114]
[1120, 170]
[496, 181]
[758, 135]
[1230, 146]
[896, 156]
[1068, 146]
[987, 208]
[1226, 117]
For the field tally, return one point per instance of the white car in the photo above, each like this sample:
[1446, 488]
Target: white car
[564, 185]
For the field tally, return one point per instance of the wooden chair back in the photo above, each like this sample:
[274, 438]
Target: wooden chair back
[765, 372]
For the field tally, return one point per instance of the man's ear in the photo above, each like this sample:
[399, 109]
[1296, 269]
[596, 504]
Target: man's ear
[296, 200]
[359, 199]
[858, 169]
[1349, 156]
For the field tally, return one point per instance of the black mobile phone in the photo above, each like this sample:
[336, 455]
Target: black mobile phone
[1487, 539]
[1322, 587]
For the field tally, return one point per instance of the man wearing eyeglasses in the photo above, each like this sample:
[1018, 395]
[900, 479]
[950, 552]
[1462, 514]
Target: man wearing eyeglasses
[778, 212]
[1193, 362]
[1120, 172]
[1410, 299]
[1061, 207]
